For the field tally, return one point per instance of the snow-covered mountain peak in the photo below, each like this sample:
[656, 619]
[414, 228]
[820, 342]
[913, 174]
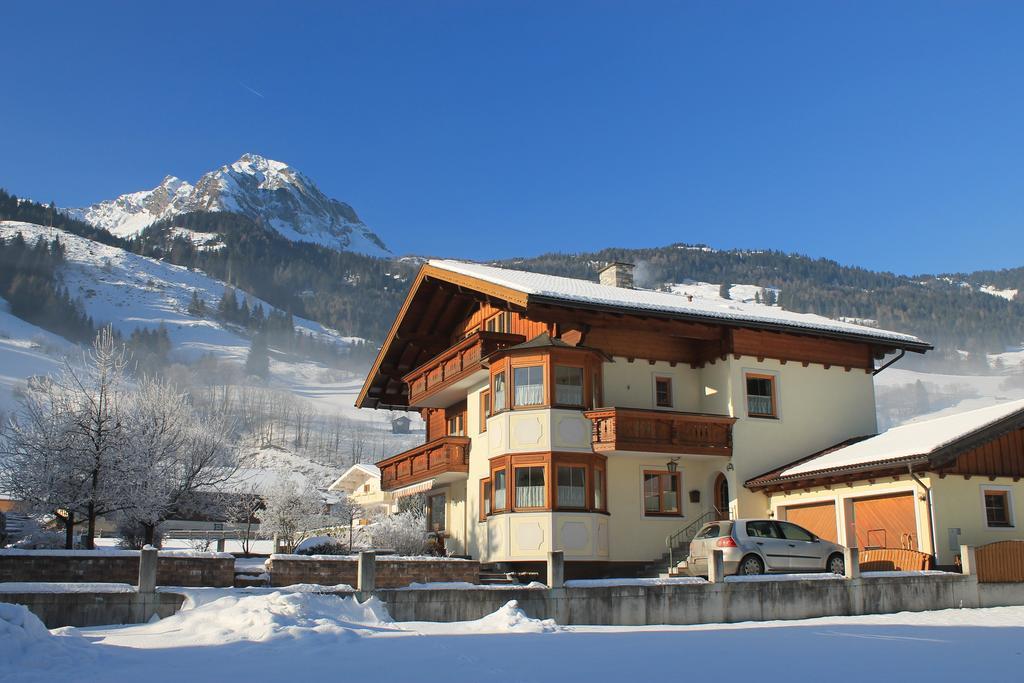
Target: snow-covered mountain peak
[270, 192]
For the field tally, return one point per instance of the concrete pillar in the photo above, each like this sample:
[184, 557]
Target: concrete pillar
[147, 570]
[556, 569]
[366, 576]
[968, 563]
[851, 558]
[220, 544]
[716, 567]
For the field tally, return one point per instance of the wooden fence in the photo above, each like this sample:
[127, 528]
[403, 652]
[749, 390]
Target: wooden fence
[894, 559]
[1000, 562]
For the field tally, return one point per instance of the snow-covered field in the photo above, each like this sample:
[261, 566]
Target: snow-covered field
[278, 636]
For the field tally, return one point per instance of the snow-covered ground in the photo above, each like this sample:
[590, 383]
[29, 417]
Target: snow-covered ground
[273, 636]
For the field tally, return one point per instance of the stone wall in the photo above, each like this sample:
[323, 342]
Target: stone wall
[96, 609]
[328, 570]
[84, 566]
[702, 603]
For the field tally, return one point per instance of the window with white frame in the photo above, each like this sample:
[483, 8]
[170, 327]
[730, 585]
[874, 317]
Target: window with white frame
[998, 507]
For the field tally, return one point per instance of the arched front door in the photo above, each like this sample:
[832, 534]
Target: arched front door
[721, 498]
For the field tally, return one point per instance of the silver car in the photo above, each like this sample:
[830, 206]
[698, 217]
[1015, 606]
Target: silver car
[756, 546]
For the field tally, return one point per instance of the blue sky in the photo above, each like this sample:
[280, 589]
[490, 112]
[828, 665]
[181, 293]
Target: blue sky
[888, 135]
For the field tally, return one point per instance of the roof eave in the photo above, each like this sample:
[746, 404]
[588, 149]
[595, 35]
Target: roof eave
[798, 480]
[916, 347]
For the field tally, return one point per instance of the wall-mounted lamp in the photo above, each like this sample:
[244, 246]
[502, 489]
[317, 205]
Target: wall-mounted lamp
[672, 466]
[729, 468]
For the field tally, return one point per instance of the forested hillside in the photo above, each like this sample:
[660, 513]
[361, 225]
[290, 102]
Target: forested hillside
[359, 295]
[945, 312]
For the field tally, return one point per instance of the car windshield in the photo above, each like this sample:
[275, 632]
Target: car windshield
[762, 529]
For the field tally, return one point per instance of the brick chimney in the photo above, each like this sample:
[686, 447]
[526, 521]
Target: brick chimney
[618, 274]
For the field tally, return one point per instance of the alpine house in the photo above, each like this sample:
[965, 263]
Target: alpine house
[605, 420]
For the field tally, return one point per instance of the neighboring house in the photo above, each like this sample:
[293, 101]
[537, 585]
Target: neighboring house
[361, 483]
[400, 425]
[929, 485]
[599, 419]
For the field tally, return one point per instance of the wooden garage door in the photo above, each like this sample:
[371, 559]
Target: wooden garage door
[886, 522]
[818, 518]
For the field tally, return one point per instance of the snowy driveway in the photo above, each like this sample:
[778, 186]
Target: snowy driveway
[277, 637]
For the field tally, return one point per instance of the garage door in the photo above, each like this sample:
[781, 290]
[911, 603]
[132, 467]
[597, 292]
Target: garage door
[818, 518]
[886, 522]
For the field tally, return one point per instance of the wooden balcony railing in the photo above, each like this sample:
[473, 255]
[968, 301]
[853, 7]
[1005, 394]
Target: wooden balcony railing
[456, 363]
[447, 455]
[659, 431]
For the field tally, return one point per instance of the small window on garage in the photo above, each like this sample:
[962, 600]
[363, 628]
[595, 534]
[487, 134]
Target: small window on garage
[997, 508]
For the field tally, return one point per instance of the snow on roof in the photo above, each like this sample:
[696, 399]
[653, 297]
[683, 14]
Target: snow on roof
[368, 470]
[584, 291]
[914, 439]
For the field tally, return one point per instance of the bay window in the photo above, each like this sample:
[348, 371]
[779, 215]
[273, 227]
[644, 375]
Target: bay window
[572, 486]
[568, 386]
[530, 491]
[528, 384]
[499, 392]
[499, 490]
[599, 488]
[485, 498]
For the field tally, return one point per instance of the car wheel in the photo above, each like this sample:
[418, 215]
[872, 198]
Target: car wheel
[751, 565]
[836, 564]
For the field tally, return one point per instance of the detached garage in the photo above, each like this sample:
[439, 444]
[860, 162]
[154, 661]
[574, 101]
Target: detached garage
[930, 485]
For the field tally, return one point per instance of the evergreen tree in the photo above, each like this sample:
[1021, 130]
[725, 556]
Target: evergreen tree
[258, 361]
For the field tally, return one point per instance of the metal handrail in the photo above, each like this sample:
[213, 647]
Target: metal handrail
[687, 533]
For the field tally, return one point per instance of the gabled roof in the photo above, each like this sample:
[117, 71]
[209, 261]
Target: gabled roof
[365, 469]
[930, 443]
[445, 291]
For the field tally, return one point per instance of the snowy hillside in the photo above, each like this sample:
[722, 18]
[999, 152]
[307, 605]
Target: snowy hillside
[131, 291]
[270, 192]
[707, 290]
[25, 350]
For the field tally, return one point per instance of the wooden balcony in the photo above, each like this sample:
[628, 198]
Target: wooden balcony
[436, 383]
[445, 459]
[660, 431]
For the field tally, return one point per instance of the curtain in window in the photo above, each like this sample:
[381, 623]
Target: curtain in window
[499, 490]
[529, 385]
[499, 392]
[568, 386]
[530, 487]
[572, 487]
[759, 405]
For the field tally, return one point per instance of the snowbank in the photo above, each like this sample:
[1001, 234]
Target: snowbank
[510, 618]
[264, 618]
[24, 639]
